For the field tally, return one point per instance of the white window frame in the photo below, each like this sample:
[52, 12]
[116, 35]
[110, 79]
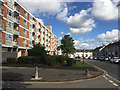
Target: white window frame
[9, 37]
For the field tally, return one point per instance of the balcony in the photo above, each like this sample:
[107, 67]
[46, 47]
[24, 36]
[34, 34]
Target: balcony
[30, 46]
[1, 27]
[1, 13]
[30, 37]
[16, 10]
[9, 30]
[9, 42]
[16, 22]
[10, 5]
[16, 32]
[25, 16]
[24, 44]
[10, 18]
[25, 26]
[15, 43]
[24, 35]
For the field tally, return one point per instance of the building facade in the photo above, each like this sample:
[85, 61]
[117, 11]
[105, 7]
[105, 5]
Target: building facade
[86, 53]
[110, 50]
[19, 30]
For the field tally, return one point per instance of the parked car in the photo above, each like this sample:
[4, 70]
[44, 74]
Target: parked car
[115, 60]
[102, 58]
[107, 58]
[95, 58]
[90, 57]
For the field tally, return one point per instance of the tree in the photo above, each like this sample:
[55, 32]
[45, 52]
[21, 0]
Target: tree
[67, 45]
[38, 51]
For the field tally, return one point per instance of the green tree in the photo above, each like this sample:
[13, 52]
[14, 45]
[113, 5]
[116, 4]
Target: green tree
[38, 51]
[67, 45]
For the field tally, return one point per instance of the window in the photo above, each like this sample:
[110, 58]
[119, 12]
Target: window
[14, 49]
[31, 17]
[30, 34]
[9, 25]
[24, 40]
[30, 42]
[9, 49]
[30, 26]
[9, 37]
[25, 22]
[24, 31]
[9, 12]
[25, 12]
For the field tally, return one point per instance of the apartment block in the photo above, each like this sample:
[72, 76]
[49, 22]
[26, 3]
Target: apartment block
[19, 30]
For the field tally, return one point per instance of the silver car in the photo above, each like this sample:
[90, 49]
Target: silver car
[115, 60]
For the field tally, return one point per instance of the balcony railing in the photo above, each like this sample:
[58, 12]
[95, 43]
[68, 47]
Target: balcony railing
[24, 35]
[16, 9]
[1, 12]
[10, 18]
[25, 16]
[16, 21]
[24, 44]
[15, 43]
[9, 42]
[10, 5]
[25, 25]
[9, 30]
[1, 27]
[16, 32]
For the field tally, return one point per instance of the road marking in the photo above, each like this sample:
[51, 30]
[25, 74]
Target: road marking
[113, 78]
[111, 82]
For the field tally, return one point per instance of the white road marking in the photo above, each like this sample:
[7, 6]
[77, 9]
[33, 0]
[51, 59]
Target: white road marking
[113, 78]
[111, 82]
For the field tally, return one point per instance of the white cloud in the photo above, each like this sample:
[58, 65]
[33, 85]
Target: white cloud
[89, 40]
[63, 15]
[51, 8]
[105, 10]
[80, 23]
[62, 32]
[109, 36]
[59, 38]
[68, 34]
[82, 44]
[40, 20]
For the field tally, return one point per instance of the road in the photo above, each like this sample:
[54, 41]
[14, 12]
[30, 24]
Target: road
[111, 68]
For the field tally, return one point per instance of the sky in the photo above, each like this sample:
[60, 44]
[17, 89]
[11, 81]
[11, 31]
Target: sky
[91, 24]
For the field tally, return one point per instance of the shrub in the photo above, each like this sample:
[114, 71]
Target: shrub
[11, 60]
[70, 61]
[61, 59]
[50, 60]
[29, 60]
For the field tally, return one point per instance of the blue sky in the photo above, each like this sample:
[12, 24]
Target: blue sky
[91, 24]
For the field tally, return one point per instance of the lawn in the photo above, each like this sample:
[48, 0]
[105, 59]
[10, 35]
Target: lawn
[81, 64]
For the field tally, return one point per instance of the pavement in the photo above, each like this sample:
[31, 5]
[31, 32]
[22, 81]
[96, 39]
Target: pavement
[51, 75]
[48, 74]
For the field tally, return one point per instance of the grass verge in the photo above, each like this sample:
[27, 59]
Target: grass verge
[81, 64]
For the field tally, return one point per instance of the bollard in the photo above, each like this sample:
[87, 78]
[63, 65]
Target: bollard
[36, 75]
[87, 72]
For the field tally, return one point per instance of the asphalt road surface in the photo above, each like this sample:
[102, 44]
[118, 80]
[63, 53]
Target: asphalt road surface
[111, 68]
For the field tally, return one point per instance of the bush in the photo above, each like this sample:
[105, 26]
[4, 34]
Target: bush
[11, 60]
[29, 60]
[70, 61]
[61, 59]
[50, 60]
